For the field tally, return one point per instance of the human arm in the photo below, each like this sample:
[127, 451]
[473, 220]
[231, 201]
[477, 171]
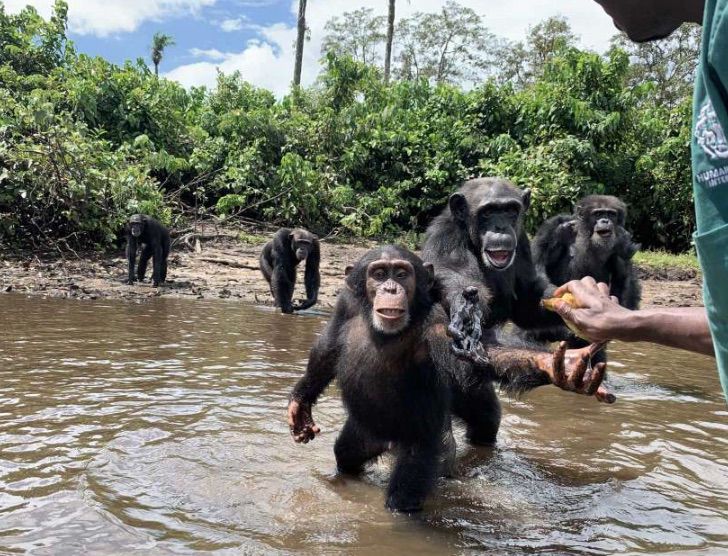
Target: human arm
[601, 318]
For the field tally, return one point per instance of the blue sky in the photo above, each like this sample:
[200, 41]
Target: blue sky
[256, 36]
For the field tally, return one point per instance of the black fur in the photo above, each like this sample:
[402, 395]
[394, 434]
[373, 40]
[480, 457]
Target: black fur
[155, 239]
[454, 244]
[565, 249]
[401, 389]
[278, 263]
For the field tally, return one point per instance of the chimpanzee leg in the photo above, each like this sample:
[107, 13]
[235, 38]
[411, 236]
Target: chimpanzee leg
[477, 404]
[282, 287]
[143, 260]
[165, 254]
[131, 250]
[354, 448]
[157, 266]
[413, 477]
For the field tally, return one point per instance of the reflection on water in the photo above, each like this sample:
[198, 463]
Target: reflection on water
[159, 428]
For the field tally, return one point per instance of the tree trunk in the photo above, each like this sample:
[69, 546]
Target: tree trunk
[299, 42]
[156, 69]
[390, 38]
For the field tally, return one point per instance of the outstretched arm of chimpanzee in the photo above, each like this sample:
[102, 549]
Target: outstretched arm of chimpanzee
[320, 371]
[312, 277]
[519, 368]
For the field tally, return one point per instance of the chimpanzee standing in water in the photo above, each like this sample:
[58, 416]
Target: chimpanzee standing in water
[591, 242]
[400, 380]
[145, 230]
[278, 263]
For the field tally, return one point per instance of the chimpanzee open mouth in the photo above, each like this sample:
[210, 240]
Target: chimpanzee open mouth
[391, 314]
[499, 258]
[605, 233]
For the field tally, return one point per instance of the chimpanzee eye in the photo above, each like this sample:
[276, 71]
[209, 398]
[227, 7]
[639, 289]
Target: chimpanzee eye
[379, 274]
[402, 274]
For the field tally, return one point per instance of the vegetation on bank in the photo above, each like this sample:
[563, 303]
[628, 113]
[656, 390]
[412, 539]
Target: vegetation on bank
[85, 143]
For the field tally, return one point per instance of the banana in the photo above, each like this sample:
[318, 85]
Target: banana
[569, 299]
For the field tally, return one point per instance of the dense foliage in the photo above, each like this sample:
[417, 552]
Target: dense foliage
[84, 143]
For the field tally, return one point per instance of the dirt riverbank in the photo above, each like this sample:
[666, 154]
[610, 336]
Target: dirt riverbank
[226, 267]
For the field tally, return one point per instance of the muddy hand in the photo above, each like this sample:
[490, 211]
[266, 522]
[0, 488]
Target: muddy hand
[300, 422]
[572, 371]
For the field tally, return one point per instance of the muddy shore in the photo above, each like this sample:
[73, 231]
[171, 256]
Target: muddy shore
[226, 267]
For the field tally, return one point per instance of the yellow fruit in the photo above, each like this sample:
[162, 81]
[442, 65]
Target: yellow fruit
[569, 299]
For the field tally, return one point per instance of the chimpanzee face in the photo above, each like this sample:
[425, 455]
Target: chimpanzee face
[390, 289]
[493, 216]
[136, 225]
[498, 225]
[300, 244]
[603, 222]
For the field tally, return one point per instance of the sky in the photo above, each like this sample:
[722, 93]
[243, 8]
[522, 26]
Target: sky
[257, 37]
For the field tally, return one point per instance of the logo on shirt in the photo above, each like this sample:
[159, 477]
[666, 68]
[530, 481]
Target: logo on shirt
[709, 133]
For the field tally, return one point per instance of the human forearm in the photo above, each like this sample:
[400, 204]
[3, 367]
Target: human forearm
[684, 328]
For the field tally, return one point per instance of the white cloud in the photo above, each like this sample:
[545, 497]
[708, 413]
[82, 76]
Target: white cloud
[103, 18]
[269, 62]
[211, 53]
[230, 25]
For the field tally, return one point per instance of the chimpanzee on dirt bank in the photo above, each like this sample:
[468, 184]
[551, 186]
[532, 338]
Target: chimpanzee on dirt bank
[401, 382]
[145, 230]
[278, 263]
[479, 241]
[591, 242]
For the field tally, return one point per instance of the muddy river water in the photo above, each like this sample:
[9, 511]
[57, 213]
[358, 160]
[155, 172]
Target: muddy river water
[159, 428]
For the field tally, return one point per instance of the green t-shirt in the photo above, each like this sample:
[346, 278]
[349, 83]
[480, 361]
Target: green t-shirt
[710, 175]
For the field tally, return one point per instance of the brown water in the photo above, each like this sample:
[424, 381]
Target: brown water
[159, 428]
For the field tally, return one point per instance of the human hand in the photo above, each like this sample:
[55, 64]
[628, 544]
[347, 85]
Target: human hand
[597, 315]
[300, 422]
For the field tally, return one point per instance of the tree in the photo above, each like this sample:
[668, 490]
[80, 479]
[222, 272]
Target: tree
[447, 47]
[356, 33]
[390, 40]
[160, 41]
[669, 64]
[521, 64]
[300, 36]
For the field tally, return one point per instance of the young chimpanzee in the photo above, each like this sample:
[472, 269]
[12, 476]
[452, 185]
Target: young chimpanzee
[145, 230]
[591, 242]
[479, 241]
[400, 381]
[278, 263]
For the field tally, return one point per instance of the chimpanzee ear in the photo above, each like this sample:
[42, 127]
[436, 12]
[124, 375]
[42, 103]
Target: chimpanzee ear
[579, 211]
[347, 273]
[430, 269]
[459, 207]
[526, 198]
[291, 236]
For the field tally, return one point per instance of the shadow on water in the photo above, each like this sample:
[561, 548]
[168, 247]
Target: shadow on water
[159, 427]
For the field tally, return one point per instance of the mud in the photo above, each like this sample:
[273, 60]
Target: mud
[226, 267]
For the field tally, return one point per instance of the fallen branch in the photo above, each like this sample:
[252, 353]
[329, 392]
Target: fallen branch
[228, 262]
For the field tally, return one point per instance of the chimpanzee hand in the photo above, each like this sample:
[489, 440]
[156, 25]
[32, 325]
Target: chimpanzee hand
[301, 422]
[571, 370]
[567, 231]
[461, 314]
[302, 304]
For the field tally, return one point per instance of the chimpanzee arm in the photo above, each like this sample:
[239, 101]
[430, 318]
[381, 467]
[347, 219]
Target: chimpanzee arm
[320, 371]
[312, 277]
[529, 289]
[131, 249]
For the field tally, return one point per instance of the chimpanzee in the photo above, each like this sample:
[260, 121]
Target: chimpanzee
[479, 241]
[278, 263]
[143, 229]
[591, 242]
[401, 382]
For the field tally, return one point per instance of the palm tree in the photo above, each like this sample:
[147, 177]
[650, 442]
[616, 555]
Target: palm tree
[390, 38]
[299, 41]
[160, 41]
